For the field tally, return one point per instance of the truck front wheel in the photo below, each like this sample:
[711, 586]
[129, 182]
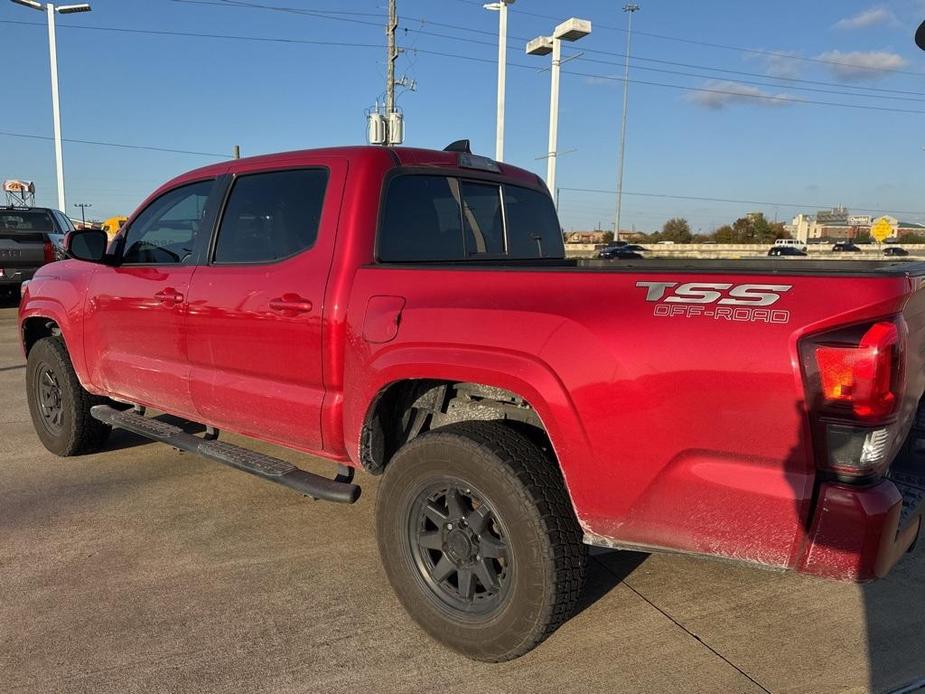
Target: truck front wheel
[479, 539]
[58, 404]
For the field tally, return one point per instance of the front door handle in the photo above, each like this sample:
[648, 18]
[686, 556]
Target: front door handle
[169, 296]
[290, 303]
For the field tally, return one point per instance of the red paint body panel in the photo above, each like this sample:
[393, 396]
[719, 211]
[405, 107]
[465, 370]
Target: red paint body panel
[683, 431]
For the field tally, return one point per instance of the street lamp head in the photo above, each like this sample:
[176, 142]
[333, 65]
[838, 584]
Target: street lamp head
[30, 3]
[498, 5]
[71, 9]
[541, 45]
[630, 8]
[572, 29]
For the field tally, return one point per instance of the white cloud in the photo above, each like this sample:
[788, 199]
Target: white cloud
[856, 66]
[782, 64]
[873, 16]
[722, 93]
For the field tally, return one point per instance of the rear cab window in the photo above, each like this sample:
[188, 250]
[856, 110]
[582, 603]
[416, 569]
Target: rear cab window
[431, 218]
[26, 220]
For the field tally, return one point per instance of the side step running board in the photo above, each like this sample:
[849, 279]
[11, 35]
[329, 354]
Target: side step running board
[265, 466]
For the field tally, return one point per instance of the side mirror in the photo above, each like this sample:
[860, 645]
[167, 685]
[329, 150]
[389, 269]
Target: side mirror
[920, 36]
[86, 244]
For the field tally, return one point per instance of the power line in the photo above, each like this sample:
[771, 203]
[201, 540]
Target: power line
[763, 84]
[116, 144]
[727, 92]
[698, 198]
[201, 35]
[325, 14]
[754, 51]
[749, 74]
[762, 97]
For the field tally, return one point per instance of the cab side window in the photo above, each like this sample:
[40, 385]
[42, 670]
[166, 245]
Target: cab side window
[165, 232]
[271, 216]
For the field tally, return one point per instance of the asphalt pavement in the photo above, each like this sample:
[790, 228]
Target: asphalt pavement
[141, 569]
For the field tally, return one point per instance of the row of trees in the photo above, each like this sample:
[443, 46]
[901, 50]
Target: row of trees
[753, 228]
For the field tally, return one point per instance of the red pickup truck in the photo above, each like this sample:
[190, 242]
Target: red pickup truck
[411, 313]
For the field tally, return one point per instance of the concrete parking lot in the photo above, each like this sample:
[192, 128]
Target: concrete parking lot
[141, 569]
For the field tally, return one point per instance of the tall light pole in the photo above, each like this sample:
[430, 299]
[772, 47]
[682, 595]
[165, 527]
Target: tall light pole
[569, 30]
[629, 9]
[501, 8]
[50, 11]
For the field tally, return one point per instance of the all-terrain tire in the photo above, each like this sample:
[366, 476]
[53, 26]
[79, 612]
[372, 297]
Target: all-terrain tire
[533, 570]
[58, 404]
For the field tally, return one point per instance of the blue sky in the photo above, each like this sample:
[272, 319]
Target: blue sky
[746, 139]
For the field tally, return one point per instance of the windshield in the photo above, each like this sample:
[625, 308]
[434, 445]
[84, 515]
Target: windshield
[26, 220]
[444, 218]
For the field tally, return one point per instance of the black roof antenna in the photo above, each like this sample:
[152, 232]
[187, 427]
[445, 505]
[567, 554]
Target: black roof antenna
[458, 146]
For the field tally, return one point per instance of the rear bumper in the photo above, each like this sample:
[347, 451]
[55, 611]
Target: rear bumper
[858, 534]
[15, 275]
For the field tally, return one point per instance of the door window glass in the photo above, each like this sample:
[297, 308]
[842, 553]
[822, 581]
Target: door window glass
[165, 232]
[271, 216]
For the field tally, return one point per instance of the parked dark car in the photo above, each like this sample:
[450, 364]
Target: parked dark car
[895, 251]
[786, 250]
[845, 247]
[618, 253]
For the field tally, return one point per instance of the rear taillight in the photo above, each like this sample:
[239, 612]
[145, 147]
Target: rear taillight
[854, 384]
[865, 376]
[49, 251]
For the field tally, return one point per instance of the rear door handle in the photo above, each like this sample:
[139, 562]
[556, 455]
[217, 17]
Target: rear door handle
[290, 303]
[169, 296]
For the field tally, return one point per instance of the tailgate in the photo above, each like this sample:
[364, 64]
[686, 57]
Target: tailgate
[21, 249]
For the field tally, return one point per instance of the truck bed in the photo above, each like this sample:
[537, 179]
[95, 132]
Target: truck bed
[764, 265]
[745, 266]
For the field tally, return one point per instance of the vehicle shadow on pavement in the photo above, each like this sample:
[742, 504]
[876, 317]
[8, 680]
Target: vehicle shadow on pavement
[894, 610]
[606, 569]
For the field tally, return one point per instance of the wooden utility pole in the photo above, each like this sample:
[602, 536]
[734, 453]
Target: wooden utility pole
[393, 56]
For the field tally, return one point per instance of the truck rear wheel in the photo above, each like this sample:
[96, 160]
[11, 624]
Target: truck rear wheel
[58, 404]
[479, 539]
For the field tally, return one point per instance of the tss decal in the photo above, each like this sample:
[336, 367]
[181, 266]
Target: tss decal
[718, 300]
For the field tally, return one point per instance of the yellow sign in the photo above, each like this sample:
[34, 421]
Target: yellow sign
[881, 230]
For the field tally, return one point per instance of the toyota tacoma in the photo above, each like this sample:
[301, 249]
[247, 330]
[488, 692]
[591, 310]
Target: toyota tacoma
[411, 314]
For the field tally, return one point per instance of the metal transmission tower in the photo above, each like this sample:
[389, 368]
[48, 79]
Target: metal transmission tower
[629, 9]
[388, 128]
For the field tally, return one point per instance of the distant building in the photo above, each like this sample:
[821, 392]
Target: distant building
[838, 224]
[633, 236]
[800, 227]
[835, 216]
[585, 237]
